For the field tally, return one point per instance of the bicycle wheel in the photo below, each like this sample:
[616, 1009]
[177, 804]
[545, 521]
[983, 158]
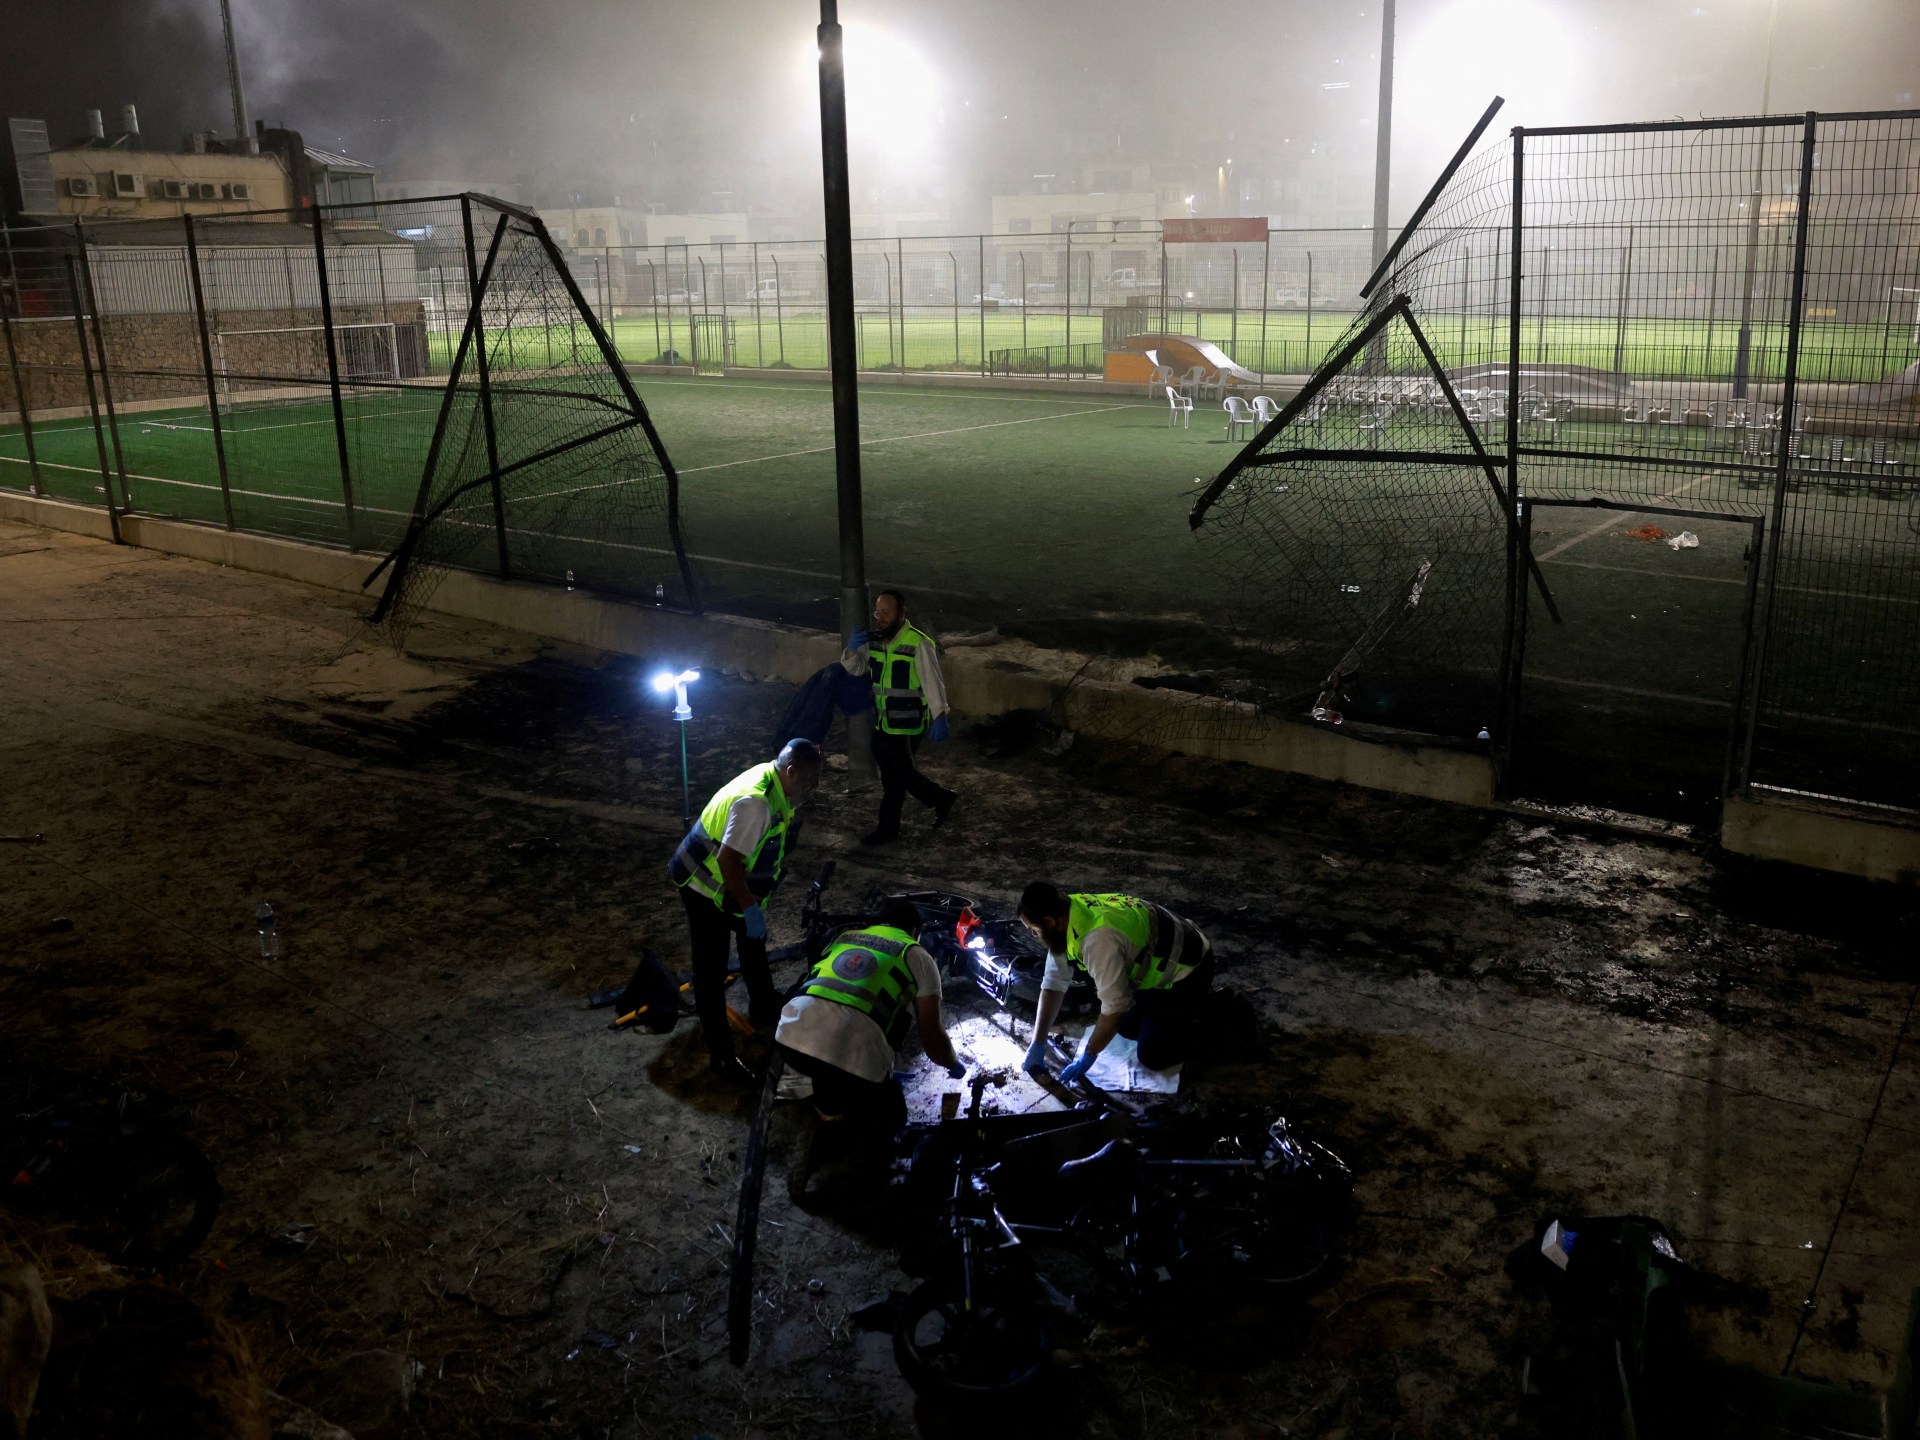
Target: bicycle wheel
[166, 1204]
[1256, 1236]
[991, 1350]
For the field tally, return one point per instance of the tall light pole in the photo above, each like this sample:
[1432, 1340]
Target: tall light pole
[841, 354]
[664, 682]
[242, 129]
[1743, 347]
[1383, 136]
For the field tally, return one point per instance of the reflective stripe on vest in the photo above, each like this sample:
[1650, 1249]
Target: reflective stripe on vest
[1158, 936]
[899, 704]
[868, 970]
[696, 863]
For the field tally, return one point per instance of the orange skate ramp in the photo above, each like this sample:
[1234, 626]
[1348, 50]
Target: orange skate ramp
[1181, 353]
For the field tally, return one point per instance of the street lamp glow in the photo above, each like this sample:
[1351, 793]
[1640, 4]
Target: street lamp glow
[894, 92]
[666, 680]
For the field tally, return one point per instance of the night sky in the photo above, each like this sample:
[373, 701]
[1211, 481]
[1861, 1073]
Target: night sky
[711, 105]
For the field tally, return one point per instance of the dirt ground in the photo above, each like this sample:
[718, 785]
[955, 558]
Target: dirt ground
[434, 1155]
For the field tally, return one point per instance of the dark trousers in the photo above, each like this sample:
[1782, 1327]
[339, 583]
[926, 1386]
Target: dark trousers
[1168, 1023]
[878, 1107]
[898, 779]
[712, 931]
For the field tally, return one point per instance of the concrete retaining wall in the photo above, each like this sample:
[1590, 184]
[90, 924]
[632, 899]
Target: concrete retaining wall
[1768, 827]
[979, 684]
[1824, 837]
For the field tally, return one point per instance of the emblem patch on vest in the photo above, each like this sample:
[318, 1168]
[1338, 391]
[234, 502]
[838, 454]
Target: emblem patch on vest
[855, 965]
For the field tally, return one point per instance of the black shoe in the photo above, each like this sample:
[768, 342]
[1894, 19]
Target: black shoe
[734, 1071]
[944, 809]
[880, 837]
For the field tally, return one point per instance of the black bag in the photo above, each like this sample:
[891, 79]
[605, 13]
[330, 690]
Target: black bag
[656, 990]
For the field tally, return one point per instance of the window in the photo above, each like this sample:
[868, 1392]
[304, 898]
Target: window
[720, 239]
[580, 239]
[675, 240]
[599, 234]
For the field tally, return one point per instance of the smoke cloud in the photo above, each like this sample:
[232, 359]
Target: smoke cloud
[715, 106]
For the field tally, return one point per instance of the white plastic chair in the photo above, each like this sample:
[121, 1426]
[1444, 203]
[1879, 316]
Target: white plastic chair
[1201, 380]
[1265, 408]
[1162, 373]
[1239, 416]
[1179, 407]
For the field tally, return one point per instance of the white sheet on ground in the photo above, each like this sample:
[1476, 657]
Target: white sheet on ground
[1118, 1067]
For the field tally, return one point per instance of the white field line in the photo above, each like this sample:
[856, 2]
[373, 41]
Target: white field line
[245, 430]
[887, 392]
[1807, 715]
[1727, 580]
[202, 485]
[917, 435]
[1618, 516]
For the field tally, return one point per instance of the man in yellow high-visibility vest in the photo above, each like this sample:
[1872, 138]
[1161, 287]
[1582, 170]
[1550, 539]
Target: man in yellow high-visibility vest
[1151, 969]
[843, 1026]
[725, 868]
[909, 702]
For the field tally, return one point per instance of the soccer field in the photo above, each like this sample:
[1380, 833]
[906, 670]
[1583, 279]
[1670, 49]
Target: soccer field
[1277, 342]
[989, 505]
[1062, 518]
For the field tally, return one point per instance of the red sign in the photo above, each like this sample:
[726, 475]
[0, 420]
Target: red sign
[1224, 231]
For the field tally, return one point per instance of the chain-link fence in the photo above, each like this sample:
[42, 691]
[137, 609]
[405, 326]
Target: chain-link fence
[1705, 327]
[1710, 327]
[315, 375]
[977, 303]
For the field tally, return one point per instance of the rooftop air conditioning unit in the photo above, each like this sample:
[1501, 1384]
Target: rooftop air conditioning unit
[173, 189]
[81, 185]
[127, 186]
[237, 190]
[206, 190]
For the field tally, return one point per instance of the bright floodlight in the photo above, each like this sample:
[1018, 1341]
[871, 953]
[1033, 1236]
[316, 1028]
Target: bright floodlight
[894, 93]
[666, 680]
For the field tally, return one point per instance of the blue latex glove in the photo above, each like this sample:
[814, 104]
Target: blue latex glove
[940, 729]
[1076, 1070]
[957, 1070]
[1036, 1061]
[859, 640]
[756, 919]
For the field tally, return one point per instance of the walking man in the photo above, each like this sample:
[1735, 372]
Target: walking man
[726, 867]
[853, 1013]
[910, 701]
[1151, 969]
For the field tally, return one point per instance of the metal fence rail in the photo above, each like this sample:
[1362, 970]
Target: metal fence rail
[1690, 319]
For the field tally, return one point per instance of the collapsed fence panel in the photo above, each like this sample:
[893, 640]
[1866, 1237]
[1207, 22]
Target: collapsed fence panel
[1708, 319]
[542, 462]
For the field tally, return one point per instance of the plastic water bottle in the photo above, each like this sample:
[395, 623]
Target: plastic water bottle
[269, 931]
[569, 579]
[659, 594]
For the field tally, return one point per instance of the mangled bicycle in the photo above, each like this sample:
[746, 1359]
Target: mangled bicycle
[1193, 1224]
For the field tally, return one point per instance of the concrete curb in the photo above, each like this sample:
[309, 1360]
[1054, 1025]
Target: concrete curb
[980, 684]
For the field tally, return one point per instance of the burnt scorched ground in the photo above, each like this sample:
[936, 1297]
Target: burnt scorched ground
[433, 1153]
